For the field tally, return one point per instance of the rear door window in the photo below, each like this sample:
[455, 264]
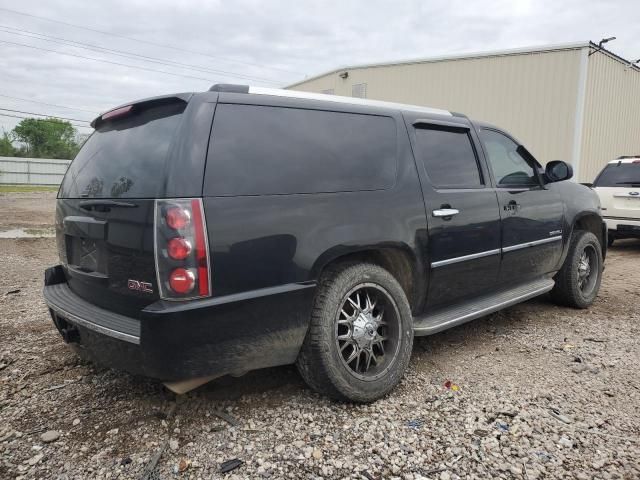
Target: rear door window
[125, 158]
[619, 175]
[448, 157]
[262, 150]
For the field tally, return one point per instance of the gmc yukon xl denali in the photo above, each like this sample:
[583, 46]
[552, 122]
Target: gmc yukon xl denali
[212, 233]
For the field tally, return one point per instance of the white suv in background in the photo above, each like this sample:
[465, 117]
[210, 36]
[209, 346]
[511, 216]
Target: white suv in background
[618, 186]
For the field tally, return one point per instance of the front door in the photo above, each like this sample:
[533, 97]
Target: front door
[462, 212]
[532, 215]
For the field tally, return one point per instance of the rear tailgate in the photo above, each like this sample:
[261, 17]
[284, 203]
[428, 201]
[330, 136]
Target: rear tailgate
[623, 202]
[105, 209]
[108, 253]
[619, 189]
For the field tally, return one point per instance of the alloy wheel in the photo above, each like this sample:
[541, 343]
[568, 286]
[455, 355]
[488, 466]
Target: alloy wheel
[587, 270]
[367, 331]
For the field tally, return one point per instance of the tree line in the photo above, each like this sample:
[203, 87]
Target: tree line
[42, 138]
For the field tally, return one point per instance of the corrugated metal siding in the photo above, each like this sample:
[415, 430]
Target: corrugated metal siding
[32, 171]
[612, 114]
[532, 95]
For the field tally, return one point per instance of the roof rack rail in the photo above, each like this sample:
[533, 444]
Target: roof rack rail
[229, 87]
[278, 92]
[345, 100]
[623, 157]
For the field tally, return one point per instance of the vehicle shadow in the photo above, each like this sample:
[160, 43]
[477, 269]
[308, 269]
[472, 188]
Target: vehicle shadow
[478, 332]
[626, 245]
[281, 379]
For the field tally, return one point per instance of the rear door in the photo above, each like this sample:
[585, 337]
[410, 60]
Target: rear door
[462, 211]
[105, 207]
[532, 216]
[618, 187]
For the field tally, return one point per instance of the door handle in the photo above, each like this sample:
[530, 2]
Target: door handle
[445, 212]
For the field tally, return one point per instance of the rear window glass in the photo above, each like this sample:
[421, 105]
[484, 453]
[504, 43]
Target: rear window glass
[258, 150]
[448, 157]
[125, 158]
[619, 175]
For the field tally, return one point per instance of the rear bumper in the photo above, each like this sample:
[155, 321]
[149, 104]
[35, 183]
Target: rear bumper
[623, 226]
[176, 341]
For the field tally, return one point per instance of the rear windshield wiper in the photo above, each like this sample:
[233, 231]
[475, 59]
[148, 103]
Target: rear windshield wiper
[105, 205]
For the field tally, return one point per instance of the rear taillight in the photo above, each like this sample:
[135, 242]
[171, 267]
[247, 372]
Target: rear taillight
[178, 248]
[182, 281]
[181, 249]
[177, 217]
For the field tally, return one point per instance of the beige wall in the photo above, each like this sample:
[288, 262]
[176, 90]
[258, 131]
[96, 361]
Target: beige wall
[611, 116]
[531, 95]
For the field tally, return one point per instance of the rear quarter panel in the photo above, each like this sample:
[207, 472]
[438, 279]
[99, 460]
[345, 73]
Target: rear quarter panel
[269, 240]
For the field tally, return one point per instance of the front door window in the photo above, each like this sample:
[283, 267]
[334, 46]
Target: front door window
[509, 167]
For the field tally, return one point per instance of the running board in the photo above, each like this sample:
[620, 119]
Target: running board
[447, 317]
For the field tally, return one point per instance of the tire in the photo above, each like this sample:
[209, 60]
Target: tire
[610, 239]
[572, 289]
[337, 332]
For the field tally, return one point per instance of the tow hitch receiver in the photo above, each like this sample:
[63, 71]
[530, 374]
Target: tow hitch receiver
[69, 332]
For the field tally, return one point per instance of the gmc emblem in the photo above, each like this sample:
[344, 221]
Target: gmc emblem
[145, 287]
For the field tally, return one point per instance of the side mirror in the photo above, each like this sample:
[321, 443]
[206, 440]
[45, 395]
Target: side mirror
[557, 171]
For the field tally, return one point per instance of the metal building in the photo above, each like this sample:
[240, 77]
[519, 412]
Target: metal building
[575, 102]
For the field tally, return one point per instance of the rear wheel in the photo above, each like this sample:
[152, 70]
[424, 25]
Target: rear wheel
[578, 281]
[361, 333]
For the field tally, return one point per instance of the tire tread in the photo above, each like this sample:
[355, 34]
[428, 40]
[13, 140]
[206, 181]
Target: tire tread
[318, 369]
[566, 292]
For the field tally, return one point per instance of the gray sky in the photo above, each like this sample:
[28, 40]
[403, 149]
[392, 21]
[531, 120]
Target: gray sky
[274, 43]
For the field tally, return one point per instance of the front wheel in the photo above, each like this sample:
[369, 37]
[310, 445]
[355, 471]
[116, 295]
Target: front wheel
[361, 334]
[578, 281]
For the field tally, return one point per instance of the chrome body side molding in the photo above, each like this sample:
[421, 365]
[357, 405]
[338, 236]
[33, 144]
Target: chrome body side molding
[487, 253]
[535, 243]
[464, 258]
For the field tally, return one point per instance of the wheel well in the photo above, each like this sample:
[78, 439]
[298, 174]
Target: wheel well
[593, 224]
[395, 260]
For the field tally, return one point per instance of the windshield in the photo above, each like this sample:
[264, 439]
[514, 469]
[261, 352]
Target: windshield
[125, 158]
[619, 174]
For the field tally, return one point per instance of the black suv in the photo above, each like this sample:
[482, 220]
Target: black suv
[205, 234]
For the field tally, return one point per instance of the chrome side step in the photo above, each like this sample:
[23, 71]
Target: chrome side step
[447, 317]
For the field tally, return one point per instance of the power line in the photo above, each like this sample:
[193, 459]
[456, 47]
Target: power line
[48, 104]
[41, 119]
[105, 61]
[148, 42]
[45, 115]
[121, 53]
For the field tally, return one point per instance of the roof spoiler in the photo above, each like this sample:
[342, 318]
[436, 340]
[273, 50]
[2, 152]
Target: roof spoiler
[135, 107]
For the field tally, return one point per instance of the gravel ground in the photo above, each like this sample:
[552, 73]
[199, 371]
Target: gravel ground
[535, 391]
[27, 210]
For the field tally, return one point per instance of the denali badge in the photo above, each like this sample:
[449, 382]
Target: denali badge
[145, 287]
